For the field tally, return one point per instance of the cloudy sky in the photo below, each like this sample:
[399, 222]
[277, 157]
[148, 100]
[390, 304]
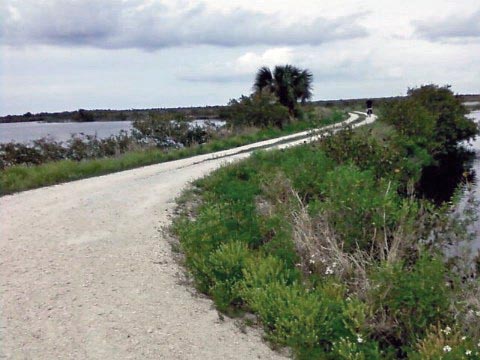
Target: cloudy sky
[60, 55]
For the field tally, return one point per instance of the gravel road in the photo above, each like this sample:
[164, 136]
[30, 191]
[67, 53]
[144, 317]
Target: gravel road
[86, 272]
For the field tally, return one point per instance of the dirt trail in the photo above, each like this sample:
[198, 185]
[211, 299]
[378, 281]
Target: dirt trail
[85, 273]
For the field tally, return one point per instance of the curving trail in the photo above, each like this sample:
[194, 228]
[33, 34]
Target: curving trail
[86, 273]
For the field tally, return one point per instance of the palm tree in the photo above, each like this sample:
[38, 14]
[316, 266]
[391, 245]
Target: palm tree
[287, 82]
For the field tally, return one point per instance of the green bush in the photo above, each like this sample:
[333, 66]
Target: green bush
[261, 271]
[386, 153]
[433, 117]
[358, 207]
[260, 109]
[226, 265]
[409, 300]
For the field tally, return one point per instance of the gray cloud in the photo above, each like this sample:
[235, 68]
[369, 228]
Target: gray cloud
[153, 25]
[451, 28]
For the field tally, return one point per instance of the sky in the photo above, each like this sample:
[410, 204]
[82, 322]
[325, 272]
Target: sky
[62, 55]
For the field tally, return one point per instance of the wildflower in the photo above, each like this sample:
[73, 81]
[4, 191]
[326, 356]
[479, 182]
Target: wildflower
[359, 339]
[312, 261]
[468, 352]
[447, 330]
[447, 348]
[329, 271]
[477, 313]
[464, 338]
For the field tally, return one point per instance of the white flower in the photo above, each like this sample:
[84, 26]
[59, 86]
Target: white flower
[329, 271]
[447, 348]
[464, 338]
[468, 352]
[312, 261]
[447, 330]
[359, 339]
[477, 313]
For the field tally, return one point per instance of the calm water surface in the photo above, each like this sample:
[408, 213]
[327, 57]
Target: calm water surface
[28, 131]
[474, 192]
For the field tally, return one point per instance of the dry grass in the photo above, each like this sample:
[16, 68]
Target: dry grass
[322, 252]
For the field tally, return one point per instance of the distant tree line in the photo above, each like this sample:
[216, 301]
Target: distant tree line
[82, 115]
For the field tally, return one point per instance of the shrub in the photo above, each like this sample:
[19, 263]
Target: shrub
[384, 152]
[407, 301]
[434, 117]
[226, 265]
[358, 207]
[167, 131]
[310, 321]
[446, 343]
[412, 120]
[261, 271]
[261, 109]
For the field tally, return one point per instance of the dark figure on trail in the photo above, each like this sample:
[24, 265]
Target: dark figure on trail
[369, 107]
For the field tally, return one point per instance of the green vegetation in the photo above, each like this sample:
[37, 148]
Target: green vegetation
[327, 244]
[288, 83]
[433, 118]
[261, 110]
[23, 177]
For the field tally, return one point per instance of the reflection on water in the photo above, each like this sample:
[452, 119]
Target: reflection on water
[473, 193]
[439, 183]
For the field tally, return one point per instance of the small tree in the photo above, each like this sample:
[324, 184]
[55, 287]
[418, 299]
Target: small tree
[451, 126]
[289, 84]
[433, 117]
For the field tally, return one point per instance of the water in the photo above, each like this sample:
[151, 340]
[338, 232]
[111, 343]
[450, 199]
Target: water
[473, 192]
[439, 183]
[28, 131]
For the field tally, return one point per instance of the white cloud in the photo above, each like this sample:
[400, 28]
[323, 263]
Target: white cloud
[155, 24]
[452, 28]
[251, 61]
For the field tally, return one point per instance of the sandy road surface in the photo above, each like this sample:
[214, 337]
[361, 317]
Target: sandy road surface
[85, 273]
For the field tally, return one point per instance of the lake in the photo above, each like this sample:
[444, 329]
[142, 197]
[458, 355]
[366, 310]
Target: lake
[28, 131]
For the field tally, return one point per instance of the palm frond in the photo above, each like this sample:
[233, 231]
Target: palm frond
[263, 79]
